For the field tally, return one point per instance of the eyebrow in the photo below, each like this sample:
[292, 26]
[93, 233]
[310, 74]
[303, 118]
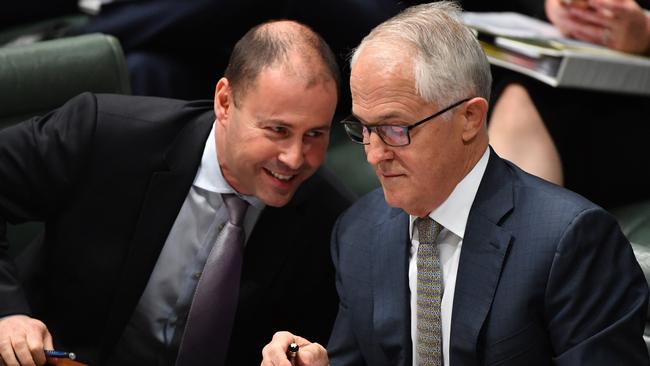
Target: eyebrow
[384, 117]
[326, 126]
[282, 123]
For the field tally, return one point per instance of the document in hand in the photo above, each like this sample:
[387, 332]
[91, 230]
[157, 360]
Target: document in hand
[537, 49]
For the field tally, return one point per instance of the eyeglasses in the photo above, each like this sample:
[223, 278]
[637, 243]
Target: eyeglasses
[391, 135]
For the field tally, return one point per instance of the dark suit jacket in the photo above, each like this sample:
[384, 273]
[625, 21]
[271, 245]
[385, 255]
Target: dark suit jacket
[545, 277]
[108, 174]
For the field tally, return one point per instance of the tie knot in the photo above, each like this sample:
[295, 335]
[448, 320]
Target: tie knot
[428, 229]
[236, 208]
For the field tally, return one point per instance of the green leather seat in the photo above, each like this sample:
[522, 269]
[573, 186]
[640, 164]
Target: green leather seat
[40, 77]
[635, 223]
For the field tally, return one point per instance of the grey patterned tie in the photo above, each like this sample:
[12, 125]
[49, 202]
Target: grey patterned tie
[209, 323]
[429, 295]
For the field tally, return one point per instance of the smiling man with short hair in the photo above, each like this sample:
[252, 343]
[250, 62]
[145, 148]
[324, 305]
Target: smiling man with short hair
[156, 209]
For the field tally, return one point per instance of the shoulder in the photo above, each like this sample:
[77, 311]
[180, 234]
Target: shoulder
[503, 181]
[148, 109]
[547, 199]
[124, 111]
[544, 209]
[138, 122]
[370, 209]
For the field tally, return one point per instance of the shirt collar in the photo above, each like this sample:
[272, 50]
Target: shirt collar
[209, 176]
[452, 214]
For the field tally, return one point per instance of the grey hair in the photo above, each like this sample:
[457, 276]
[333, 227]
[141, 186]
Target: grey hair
[449, 64]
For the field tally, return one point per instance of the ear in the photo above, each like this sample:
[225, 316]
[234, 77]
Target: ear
[474, 115]
[222, 100]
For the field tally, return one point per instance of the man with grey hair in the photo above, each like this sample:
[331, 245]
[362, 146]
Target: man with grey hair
[462, 258]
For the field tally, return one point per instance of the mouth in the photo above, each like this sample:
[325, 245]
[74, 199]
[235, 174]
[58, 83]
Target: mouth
[281, 177]
[384, 174]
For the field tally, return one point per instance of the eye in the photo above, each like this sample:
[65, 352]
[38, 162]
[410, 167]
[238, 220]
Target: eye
[278, 130]
[315, 133]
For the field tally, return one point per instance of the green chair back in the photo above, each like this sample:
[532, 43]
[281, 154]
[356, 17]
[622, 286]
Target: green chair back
[40, 77]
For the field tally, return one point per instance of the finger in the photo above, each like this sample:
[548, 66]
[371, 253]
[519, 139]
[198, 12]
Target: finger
[21, 349]
[301, 341]
[36, 347]
[586, 36]
[611, 6]
[312, 354]
[583, 4]
[283, 336]
[272, 354]
[7, 355]
[586, 32]
[48, 343]
[590, 17]
[598, 36]
[275, 353]
[274, 357]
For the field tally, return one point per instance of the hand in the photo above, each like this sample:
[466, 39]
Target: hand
[557, 12]
[22, 341]
[310, 354]
[618, 24]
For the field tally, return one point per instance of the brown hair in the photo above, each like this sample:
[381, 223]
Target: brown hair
[266, 45]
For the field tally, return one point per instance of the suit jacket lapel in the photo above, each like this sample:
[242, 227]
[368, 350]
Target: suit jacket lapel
[166, 193]
[391, 294]
[485, 247]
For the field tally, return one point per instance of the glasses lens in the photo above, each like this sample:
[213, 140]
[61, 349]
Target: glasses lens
[394, 135]
[354, 130]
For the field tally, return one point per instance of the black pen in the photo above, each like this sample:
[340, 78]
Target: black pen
[59, 354]
[291, 354]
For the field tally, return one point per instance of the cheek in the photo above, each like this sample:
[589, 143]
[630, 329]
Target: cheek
[422, 169]
[255, 154]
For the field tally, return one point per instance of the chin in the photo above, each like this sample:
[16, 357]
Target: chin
[392, 199]
[276, 200]
[400, 201]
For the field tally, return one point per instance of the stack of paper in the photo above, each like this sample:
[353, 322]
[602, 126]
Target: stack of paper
[537, 49]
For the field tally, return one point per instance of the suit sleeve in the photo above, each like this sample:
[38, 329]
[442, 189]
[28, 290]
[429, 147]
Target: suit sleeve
[342, 347]
[40, 160]
[596, 296]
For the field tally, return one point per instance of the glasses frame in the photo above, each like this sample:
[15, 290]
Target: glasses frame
[407, 128]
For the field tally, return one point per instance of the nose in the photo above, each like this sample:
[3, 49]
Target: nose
[376, 150]
[293, 156]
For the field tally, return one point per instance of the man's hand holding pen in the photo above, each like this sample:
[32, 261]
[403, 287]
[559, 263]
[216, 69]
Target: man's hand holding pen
[279, 352]
[22, 341]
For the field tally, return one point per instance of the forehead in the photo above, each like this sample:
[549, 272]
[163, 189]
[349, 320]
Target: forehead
[282, 95]
[382, 84]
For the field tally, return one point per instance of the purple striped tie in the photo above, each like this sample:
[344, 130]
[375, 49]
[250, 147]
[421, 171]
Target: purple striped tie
[209, 323]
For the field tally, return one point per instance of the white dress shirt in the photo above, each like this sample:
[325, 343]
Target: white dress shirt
[159, 318]
[452, 216]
